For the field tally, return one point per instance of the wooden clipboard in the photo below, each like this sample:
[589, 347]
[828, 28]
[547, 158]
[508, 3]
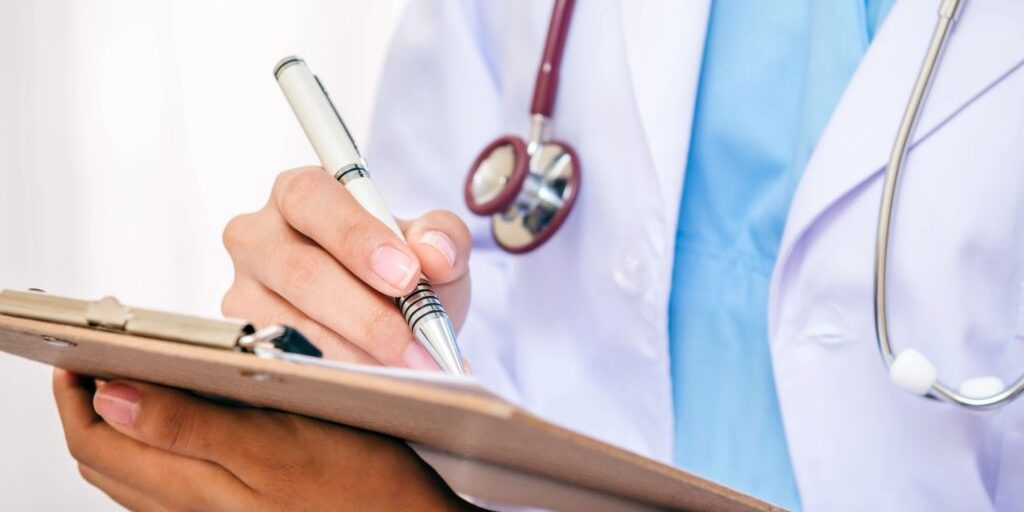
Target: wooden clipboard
[482, 445]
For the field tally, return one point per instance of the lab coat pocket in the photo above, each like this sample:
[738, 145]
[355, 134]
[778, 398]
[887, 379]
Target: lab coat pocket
[826, 325]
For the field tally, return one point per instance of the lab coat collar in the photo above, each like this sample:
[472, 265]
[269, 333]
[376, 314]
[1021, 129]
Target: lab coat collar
[664, 44]
[987, 45]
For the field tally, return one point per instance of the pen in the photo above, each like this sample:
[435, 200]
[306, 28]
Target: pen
[341, 158]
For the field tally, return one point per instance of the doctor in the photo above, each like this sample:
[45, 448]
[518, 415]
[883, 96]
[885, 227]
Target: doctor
[709, 301]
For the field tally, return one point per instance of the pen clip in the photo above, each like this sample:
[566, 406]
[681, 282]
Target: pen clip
[337, 114]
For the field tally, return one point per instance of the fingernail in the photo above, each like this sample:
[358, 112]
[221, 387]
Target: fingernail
[117, 403]
[417, 358]
[393, 266]
[442, 242]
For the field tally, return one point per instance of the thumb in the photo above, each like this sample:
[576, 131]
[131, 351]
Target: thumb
[169, 419]
[442, 243]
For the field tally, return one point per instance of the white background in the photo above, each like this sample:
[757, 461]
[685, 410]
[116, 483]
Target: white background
[130, 132]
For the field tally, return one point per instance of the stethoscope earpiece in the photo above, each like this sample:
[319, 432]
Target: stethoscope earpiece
[913, 372]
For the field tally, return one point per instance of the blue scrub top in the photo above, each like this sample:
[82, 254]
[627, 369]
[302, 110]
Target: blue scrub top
[772, 74]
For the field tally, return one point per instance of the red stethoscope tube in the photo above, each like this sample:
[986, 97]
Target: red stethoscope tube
[546, 87]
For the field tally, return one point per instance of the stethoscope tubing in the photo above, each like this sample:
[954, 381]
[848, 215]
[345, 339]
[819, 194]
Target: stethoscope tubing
[545, 89]
[948, 12]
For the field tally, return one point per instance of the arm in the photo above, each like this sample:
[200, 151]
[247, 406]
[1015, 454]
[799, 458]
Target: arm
[153, 448]
[297, 260]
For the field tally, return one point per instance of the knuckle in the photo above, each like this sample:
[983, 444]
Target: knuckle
[236, 233]
[78, 450]
[86, 473]
[293, 190]
[451, 224]
[382, 329]
[462, 233]
[281, 180]
[350, 230]
[302, 271]
[230, 305]
[75, 451]
[357, 233]
[316, 333]
[445, 217]
[177, 430]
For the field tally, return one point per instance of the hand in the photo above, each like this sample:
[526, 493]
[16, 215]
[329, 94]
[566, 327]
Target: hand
[314, 259]
[153, 448]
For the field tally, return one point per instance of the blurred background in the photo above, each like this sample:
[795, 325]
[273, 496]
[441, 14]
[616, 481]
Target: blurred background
[130, 132]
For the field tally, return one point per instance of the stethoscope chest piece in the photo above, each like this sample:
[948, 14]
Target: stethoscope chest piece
[527, 190]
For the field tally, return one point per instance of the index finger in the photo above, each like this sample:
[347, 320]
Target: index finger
[316, 205]
[73, 403]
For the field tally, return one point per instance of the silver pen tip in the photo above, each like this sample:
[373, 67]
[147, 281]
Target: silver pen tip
[437, 336]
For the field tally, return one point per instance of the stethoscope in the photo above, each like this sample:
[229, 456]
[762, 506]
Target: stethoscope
[910, 369]
[528, 189]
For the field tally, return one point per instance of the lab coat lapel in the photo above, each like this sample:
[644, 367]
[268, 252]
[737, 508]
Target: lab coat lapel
[986, 45]
[664, 43]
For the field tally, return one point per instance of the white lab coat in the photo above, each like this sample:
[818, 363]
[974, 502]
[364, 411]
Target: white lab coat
[577, 331]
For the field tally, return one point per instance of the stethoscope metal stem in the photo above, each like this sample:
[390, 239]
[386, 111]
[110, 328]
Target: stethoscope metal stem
[536, 189]
[537, 124]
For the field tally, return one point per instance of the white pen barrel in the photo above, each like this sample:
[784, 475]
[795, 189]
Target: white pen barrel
[318, 117]
[329, 136]
[341, 159]
[364, 192]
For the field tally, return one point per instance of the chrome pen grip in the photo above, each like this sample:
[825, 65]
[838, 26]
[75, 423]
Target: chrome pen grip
[420, 304]
[430, 324]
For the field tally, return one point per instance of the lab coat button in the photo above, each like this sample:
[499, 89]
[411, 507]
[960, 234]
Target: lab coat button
[632, 274]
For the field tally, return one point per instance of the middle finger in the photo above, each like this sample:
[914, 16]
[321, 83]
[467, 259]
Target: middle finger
[309, 278]
[316, 205]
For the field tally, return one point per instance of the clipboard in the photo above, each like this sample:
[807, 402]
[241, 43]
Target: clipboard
[480, 444]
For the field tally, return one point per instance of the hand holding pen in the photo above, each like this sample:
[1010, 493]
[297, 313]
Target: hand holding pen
[316, 259]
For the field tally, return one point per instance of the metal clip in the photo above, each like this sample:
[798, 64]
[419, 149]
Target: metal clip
[107, 312]
[270, 341]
